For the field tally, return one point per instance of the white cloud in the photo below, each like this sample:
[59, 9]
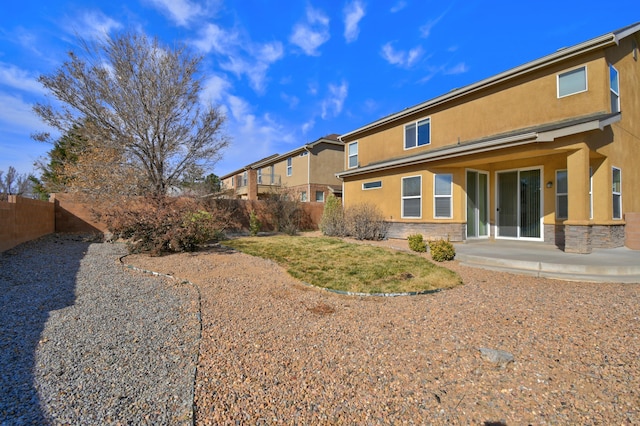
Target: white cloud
[460, 68]
[425, 30]
[290, 100]
[308, 126]
[16, 78]
[214, 89]
[17, 114]
[179, 11]
[333, 103]
[353, 13]
[95, 25]
[216, 39]
[400, 57]
[313, 33]
[398, 6]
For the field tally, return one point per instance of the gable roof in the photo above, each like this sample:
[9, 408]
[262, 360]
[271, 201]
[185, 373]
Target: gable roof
[606, 40]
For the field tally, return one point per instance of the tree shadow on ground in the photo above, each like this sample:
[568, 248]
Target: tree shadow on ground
[36, 278]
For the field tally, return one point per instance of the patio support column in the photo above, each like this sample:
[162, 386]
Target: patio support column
[252, 193]
[578, 225]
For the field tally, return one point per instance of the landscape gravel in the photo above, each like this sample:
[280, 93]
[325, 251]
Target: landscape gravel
[86, 341]
[501, 349]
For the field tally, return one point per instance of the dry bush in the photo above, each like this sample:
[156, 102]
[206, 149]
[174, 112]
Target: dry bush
[158, 225]
[366, 222]
[333, 222]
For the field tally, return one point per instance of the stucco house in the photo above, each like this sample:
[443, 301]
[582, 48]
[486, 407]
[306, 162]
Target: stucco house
[309, 171]
[547, 151]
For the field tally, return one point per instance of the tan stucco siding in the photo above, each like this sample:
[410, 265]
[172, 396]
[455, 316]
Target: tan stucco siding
[299, 170]
[522, 103]
[326, 160]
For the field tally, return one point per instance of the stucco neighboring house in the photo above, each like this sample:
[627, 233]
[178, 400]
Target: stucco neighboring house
[547, 151]
[309, 171]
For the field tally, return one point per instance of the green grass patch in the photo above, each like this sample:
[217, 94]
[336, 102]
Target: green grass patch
[335, 264]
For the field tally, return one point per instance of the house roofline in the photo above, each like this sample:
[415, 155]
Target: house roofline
[306, 147]
[548, 60]
[540, 134]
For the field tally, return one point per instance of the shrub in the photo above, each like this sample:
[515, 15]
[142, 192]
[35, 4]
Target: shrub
[160, 225]
[333, 221]
[254, 223]
[284, 208]
[442, 250]
[416, 243]
[365, 222]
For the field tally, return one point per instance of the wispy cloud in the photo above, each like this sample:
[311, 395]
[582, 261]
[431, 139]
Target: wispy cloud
[401, 58]
[398, 6]
[312, 33]
[241, 57]
[334, 101]
[179, 11]
[425, 30]
[16, 78]
[214, 89]
[460, 68]
[353, 13]
[94, 25]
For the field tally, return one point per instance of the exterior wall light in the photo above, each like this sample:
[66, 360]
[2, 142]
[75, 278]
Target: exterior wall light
[549, 184]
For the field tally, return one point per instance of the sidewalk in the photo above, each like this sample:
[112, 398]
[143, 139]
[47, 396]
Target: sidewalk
[545, 260]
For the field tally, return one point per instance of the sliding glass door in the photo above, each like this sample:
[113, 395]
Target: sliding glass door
[519, 204]
[477, 204]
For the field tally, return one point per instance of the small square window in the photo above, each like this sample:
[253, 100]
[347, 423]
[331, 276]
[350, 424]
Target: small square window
[572, 82]
[417, 133]
[320, 196]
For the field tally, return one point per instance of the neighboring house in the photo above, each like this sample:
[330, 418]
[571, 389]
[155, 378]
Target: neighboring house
[309, 171]
[548, 151]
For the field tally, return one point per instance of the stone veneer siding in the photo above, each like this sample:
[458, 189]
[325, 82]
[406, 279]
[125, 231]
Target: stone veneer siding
[430, 231]
[584, 238]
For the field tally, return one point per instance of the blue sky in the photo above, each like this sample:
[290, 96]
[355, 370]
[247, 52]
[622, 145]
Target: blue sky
[288, 72]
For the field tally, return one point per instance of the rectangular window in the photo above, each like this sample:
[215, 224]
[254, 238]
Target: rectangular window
[273, 174]
[320, 196]
[562, 195]
[417, 133]
[572, 82]
[289, 167]
[304, 153]
[233, 183]
[617, 193]
[259, 172]
[614, 84]
[244, 179]
[443, 196]
[353, 155]
[303, 196]
[412, 197]
[372, 185]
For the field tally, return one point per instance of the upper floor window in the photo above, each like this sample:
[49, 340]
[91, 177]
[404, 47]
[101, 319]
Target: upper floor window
[233, 183]
[571, 82]
[244, 179]
[417, 133]
[304, 153]
[614, 85]
[443, 196]
[617, 193]
[259, 173]
[562, 195]
[353, 155]
[289, 166]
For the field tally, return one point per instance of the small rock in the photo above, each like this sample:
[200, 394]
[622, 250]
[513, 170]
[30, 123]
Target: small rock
[496, 356]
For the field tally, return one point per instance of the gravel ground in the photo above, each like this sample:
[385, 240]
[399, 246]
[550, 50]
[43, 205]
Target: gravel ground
[85, 341]
[277, 351]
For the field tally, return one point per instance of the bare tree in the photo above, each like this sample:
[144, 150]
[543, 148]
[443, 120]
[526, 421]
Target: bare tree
[13, 183]
[142, 100]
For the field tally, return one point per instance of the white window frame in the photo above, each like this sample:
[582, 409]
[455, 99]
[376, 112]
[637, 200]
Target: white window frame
[373, 187]
[289, 166]
[562, 194]
[259, 176]
[416, 141]
[449, 196]
[615, 92]
[590, 192]
[586, 81]
[615, 193]
[245, 178]
[303, 196]
[233, 181]
[350, 155]
[321, 198]
[410, 197]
